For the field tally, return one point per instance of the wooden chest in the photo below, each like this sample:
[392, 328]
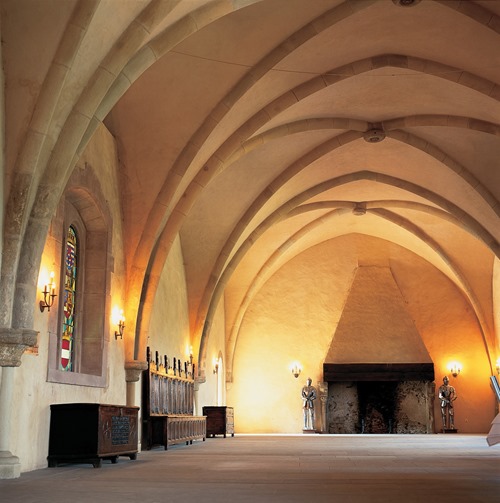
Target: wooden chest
[91, 432]
[220, 420]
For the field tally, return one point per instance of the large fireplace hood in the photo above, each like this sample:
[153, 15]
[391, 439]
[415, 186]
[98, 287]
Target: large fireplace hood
[376, 338]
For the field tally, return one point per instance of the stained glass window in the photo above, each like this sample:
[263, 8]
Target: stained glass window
[70, 276]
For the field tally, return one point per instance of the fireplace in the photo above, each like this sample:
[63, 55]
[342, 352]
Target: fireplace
[383, 398]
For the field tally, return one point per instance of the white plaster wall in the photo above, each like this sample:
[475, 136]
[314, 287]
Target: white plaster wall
[169, 331]
[214, 383]
[30, 418]
[295, 315]
[169, 326]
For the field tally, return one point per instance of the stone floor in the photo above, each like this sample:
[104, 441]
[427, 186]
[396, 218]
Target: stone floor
[281, 468]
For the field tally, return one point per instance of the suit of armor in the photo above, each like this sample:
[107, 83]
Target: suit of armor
[308, 397]
[447, 396]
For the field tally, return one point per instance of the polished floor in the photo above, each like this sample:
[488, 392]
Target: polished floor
[282, 468]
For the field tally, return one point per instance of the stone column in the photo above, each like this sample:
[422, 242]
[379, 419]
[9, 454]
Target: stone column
[196, 388]
[323, 395]
[133, 371]
[10, 468]
[13, 343]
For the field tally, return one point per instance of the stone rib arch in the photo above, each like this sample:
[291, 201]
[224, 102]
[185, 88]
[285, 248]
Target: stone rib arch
[462, 281]
[278, 215]
[302, 163]
[174, 224]
[161, 209]
[71, 140]
[80, 117]
[219, 160]
[343, 207]
[162, 206]
[37, 136]
[54, 174]
[160, 46]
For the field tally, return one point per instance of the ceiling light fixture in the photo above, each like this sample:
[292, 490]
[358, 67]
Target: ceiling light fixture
[405, 3]
[374, 135]
[359, 209]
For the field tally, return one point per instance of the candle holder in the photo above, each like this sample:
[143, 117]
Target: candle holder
[49, 294]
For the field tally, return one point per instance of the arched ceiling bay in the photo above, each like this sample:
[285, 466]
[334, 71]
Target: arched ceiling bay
[237, 130]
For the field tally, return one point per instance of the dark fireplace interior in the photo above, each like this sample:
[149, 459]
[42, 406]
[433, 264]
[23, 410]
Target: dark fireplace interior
[377, 406]
[379, 398]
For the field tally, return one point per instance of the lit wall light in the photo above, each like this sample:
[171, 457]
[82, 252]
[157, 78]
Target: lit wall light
[216, 365]
[296, 369]
[119, 319]
[498, 366]
[455, 368]
[49, 294]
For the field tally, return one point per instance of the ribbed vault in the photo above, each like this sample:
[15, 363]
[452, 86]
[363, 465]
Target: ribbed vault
[243, 129]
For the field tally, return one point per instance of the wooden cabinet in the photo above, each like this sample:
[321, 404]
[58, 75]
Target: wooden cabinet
[91, 432]
[220, 420]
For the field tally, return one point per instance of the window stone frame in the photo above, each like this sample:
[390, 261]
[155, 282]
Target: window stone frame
[83, 206]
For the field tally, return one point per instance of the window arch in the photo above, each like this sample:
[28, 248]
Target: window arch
[79, 327]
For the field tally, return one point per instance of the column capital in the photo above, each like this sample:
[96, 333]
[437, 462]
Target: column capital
[133, 370]
[13, 343]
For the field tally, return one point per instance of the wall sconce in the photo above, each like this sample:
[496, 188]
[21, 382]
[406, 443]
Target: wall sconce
[121, 326]
[216, 366]
[498, 366]
[296, 370]
[49, 294]
[454, 368]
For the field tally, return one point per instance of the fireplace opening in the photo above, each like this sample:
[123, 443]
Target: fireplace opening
[377, 402]
[379, 397]
[380, 407]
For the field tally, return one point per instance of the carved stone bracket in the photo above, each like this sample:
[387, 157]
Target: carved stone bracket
[134, 369]
[13, 343]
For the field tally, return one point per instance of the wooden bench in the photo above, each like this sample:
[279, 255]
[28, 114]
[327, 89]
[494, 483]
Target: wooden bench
[168, 404]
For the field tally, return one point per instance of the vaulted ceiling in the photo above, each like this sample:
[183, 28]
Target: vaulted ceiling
[258, 129]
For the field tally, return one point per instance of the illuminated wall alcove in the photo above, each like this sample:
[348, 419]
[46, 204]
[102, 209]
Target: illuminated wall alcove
[295, 316]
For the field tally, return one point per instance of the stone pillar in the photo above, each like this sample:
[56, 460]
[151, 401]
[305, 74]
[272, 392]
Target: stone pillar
[323, 396]
[10, 468]
[196, 389]
[13, 343]
[133, 371]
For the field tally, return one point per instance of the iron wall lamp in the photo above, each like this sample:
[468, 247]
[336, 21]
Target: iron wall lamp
[296, 370]
[121, 326]
[49, 294]
[455, 368]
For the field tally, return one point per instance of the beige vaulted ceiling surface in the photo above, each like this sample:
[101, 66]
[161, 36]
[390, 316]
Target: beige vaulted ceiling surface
[256, 130]
[287, 123]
